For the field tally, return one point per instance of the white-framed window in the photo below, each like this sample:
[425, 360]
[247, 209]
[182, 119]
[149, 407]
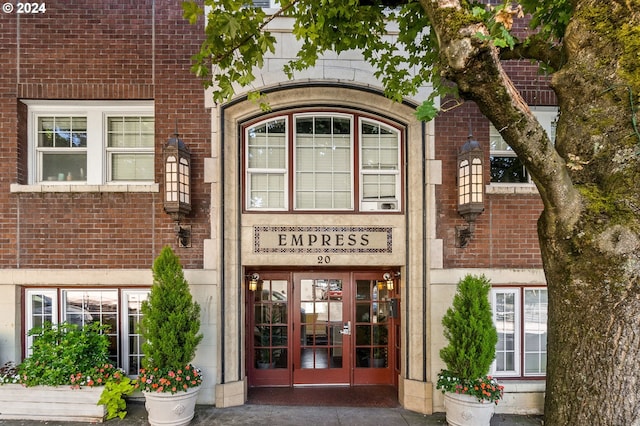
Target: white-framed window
[89, 142]
[379, 166]
[322, 161]
[117, 308]
[266, 165]
[506, 167]
[41, 306]
[266, 4]
[520, 317]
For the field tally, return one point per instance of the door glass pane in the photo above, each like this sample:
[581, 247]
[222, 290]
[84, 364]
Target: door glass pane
[321, 323]
[271, 332]
[372, 324]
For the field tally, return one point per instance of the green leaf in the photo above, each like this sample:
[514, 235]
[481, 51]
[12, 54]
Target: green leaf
[427, 111]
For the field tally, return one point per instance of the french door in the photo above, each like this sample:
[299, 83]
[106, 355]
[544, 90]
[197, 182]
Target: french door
[323, 335]
[322, 328]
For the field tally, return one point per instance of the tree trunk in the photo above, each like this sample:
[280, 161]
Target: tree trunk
[593, 373]
[590, 186]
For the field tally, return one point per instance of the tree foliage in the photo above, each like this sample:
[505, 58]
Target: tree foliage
[468, 327]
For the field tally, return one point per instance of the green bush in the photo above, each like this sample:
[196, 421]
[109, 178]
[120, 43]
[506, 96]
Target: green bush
[60, 352]
[170, 318]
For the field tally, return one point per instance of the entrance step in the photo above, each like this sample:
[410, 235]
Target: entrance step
[326, 396]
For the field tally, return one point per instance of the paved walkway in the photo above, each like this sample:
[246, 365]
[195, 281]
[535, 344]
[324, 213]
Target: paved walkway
[267, 415]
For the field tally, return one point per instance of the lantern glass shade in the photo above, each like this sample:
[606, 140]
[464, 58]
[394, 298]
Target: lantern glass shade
[253, 285]
[177, 161]
[470, 181]
[389, 285]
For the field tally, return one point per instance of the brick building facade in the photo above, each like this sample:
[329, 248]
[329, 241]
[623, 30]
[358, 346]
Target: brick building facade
[86, 241]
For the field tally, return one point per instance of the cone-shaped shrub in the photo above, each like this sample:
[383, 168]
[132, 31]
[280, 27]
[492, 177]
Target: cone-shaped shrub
[170, 318]
[468, 326]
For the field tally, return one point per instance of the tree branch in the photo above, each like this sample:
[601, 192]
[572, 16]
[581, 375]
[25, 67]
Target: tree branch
[474, 65]
[537, 49]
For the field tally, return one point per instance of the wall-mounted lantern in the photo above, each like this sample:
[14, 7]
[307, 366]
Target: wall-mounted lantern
[253, 281]
[389, 278]
[177, 186]
[470, 188]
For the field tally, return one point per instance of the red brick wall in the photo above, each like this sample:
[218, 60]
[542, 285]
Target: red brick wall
[506, 232]
[99, 49]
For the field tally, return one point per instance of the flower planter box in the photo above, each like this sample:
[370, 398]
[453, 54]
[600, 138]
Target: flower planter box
[56, 403]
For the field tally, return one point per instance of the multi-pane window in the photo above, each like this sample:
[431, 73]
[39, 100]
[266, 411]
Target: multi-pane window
[379, 166]
[322, 161]
[520, 317]
[119, 309]
[130, 148]
[323, 164]
[92, 143]
[267, 181]
[506, 167]
[62, 148]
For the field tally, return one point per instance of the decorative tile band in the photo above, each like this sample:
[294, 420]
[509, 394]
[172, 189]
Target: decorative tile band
[322, 239]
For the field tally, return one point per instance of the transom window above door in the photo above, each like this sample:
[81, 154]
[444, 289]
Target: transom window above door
[322, 161]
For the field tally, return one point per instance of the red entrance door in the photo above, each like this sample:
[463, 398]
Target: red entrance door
[326, 328]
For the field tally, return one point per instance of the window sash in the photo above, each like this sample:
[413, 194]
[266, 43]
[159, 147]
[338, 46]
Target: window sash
[520, 317]
[41, 307]
[130, 146]
[535, 332]
[379, 163]
[506, 317]
[131, 339]
[86, 306]
[505, 165]
[89, 142]
[266, 164]
[323, 159]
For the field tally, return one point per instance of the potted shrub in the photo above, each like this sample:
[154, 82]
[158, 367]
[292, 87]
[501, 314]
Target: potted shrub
[67, 377]
[170, 331]
[470, 394]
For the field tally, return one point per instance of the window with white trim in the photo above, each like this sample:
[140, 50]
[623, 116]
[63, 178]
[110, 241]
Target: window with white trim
[117, 308]
[266, 4]
[322, 161]
[506, 167]
[91, 142]
[520, 317]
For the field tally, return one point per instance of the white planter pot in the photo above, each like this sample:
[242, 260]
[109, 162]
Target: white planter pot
[466, 410]
[51, 403]
[175, 409]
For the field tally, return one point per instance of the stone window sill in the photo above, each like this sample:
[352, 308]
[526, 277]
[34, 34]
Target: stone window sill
[17, 188]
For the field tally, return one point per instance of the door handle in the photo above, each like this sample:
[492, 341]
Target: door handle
[346, 328]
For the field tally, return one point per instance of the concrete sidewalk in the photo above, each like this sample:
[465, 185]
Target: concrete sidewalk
[266, 415]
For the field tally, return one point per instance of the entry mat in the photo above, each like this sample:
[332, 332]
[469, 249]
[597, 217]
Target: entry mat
[326, 396]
